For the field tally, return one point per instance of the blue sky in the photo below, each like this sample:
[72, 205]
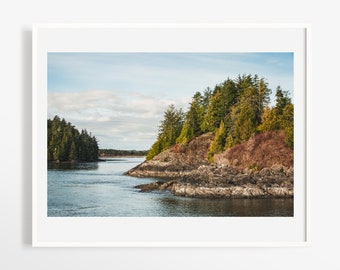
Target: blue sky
[121, 97]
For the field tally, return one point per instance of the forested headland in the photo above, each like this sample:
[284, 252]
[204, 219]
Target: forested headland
[235, 110]
[66, 143]
[232, 142]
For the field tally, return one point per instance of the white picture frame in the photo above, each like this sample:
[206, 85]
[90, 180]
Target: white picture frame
[180, 232]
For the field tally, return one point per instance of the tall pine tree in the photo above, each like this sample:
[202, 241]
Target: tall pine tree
[169, 130]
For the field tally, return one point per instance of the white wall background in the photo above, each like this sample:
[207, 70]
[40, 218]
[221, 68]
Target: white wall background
[16, 18]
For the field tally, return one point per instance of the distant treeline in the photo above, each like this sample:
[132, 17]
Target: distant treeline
[66, 143]
[115, 152]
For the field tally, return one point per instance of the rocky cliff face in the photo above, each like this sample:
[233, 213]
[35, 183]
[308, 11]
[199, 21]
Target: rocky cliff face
[261, 167]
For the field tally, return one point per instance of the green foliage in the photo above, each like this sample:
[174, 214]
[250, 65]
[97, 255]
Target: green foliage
[186, 134]
[282, 100]
[88, 147]
[66, 144]
[288, 124]
[224, 96]
[215, 113]
[234, 110]
[281, 117]
[171, 126]
[169, 130]
[253, 167]
[244, 125]
[193, 119]
[156, 148]
[269, 120]
[245, 115]
[218, 143]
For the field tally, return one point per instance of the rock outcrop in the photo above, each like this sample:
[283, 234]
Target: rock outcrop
[176, 161]
[259, 168]
[224, 182]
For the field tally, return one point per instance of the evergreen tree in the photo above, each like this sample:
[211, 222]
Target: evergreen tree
[288, 124]
[269, 120]
[282, 100]
[218, 143]
[73, 152]
[244, 124]
[280, 117]
[245, 115]
[169, 130]
[224, 97]
[171, 126]
[193, 120]
[215, 112]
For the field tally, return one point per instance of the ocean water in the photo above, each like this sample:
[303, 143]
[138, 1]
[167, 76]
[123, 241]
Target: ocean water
[100, 189]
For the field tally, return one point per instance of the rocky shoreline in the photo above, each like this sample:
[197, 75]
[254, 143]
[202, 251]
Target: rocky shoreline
[211, 181]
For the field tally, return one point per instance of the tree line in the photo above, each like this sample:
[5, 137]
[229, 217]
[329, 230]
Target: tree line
[66, 143]
[116, 152]
[234, 111]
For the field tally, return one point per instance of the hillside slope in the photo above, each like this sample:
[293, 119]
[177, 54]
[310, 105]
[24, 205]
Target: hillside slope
[261, 151]
[177, 160]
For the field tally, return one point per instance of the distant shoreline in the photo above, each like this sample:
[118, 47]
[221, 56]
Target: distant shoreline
[100, 159]
[124, 156]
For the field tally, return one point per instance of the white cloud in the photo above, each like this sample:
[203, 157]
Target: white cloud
[119, 120]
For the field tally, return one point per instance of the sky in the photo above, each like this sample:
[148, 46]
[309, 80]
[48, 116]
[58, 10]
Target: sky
[121, 97]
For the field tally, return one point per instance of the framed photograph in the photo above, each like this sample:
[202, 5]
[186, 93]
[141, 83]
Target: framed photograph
[170, 135]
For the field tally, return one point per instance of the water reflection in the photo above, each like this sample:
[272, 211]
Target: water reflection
[178, 206]
[72, 166]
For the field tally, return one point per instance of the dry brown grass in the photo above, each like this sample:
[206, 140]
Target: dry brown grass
[262, 150]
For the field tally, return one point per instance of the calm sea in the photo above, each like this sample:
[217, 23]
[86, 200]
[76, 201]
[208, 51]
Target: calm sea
[100, 189]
